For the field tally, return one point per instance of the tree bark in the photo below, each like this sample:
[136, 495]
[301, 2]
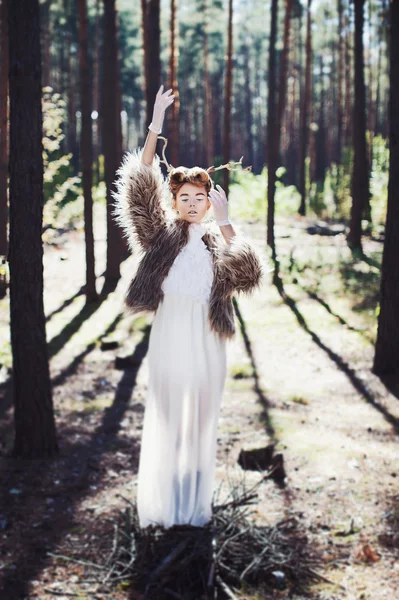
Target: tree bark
[46, 41]
[209, 152]
[272, 131]
[86, 148]
[35, 433]
[248, 102]
[340, 82]
[304, 125]
[96, 91]
[227, 97]
[152, 54]
[386, 359]
[112, 150]
[173, 84]
[360, 175]
[3, 128]
[274, 150]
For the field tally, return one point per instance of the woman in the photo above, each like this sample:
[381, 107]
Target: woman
[187, 276]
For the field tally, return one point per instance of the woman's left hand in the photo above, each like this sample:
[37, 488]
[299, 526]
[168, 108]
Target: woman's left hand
[219, 203]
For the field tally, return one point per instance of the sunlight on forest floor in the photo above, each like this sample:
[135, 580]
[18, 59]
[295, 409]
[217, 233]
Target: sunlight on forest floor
[301, 381]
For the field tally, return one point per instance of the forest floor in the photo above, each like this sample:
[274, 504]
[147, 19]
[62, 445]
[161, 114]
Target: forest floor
[299, 377]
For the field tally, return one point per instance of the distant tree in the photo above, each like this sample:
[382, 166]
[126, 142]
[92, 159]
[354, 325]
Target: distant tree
[111, 140]
[152, 53]
[275, 121]
[304, 118]
[340, 80]
[386, 359]
[227, 95]
[272, 147]
[35, 433]
[360, 174]
[209, 151]
[86, 147]
[3, 127]
[173, 84]
[96, 89]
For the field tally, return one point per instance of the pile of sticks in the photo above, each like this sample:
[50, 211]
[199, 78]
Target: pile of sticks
[230, 553]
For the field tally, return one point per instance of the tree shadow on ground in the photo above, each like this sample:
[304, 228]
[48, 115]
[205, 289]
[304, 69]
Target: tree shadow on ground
[356, 382]
[264, 401]
[39, 499]
[55, 345]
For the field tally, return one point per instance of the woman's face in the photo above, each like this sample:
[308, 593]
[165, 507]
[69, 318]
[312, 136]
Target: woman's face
[191, 202]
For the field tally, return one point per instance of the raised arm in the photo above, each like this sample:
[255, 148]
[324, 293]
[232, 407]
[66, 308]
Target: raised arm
[162, 101]
[139, 207]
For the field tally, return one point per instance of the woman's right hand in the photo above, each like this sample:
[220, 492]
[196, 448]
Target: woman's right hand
[162, 101]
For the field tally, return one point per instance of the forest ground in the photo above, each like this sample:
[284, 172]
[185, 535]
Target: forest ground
[302, 380]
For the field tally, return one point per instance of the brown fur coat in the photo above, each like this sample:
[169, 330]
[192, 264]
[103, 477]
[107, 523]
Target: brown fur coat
[141, 209]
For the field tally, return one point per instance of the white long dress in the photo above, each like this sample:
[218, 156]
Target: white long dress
[187, 371]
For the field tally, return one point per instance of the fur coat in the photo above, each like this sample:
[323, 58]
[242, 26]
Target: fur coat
[142, 210]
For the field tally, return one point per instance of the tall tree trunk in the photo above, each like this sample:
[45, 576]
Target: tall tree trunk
[387, 344]
[304, 125]
[46, 41]
[320, 138]
[348, 80]
[360, 175]
[227, 97]
[173, 84]
[272, 131]
[112, 154]
[340, 81]
[96, 91]
[209, 151]
[274, 151]
[35, 434]
[3, 128]
[248, 110]
[377, 120]
[153, 52]
[86, 148]
[72, 146]
[282, 93]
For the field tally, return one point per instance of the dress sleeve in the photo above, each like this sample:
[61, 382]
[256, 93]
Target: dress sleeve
[241, 265]
[140, 206]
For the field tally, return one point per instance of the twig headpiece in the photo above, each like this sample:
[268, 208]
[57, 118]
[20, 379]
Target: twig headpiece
[230, 165]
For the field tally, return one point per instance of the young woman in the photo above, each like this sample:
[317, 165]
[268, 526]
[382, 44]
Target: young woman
[187, 276]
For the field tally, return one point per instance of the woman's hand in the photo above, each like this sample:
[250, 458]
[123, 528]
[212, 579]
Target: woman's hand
[219, 203]
[162, 101]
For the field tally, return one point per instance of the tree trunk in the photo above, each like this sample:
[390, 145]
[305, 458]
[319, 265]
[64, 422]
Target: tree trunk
[86, 148]
[340, 82]
[173, 84]
[3, 129]
[96, 91]
[209, 152]
[304, 125]
[112, 156]
[272, 131]
[348, 81]
[227, 98]
[274, 150]
[153, 52]
[46, 41]
[320, 138]
[248, 109]
[35, 434]
[387, 344]
[72, 146]
[360, 175]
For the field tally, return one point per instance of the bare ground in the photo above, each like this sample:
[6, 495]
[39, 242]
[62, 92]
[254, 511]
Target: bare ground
[299, 376]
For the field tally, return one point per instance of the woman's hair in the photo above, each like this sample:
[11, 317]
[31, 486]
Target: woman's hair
[195, 175]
